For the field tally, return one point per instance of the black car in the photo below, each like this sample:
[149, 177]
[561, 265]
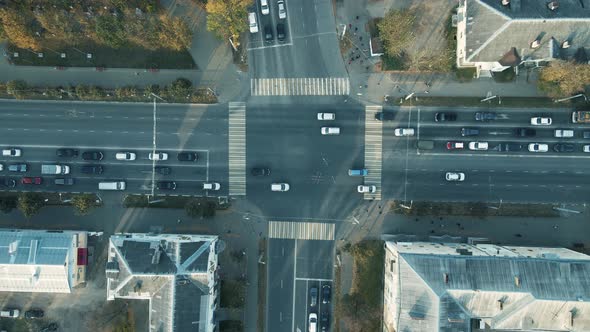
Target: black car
[445, 116]
[268, 34]
[10, 183]
[34, 313]
[525, 132]
[509, 147]
[165, 185]
[469, 131]
[50, 328]
[563, 147]
[64, 181]
[91, 169]
[313, 296]
[384, 116]
[187, 156]
[260, 171]
[326, 293]
[586, 134]
[485, 116]
[325, 321]
[92, 155]
[67, 153]
[163, 170]
[281, 32]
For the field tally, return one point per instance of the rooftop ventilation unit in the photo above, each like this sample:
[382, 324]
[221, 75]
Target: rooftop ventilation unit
[535, 44]
[446, 278]
[565, 44]
[505, 2]
[517, 281]
[553, 5]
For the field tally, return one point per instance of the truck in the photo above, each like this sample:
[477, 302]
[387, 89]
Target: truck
[581, 117]
[55, 169]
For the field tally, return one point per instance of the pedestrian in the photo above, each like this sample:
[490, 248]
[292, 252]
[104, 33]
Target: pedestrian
[357, 17]
[426, 91]
[360, 37]
[358, 56]
[350, 25]
[356, 29]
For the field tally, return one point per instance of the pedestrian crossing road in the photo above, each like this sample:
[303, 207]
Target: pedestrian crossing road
[318, 86]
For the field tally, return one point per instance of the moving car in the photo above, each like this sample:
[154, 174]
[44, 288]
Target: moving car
[158, 156]
[165, 185]
[538, 147]
[279, 187]
[92, 155]
[10, 183]
[112, 185]
[34, 313]
[17, 168]
[264, 8]
[66, 153]
[64, 181]
[326, 293]
[541, 121]
[281, 32]
[31, 180]
[187, 156]
[10, 313]
[326, 116]
[282, 11]
[253, 22]
[384, 116]
[445, 116]
[313, 296]
[525, 132]
[455, 145]
[163, 170]
[91, 169]
[485, 116]
[358, 172]
[366, 189]
[563, 133]
[330, 131]
[403, 132]
[313, 322]
[586, 148]
[125, 156]
[563, 147]
[211, 186]
[478, 146]
[455, 176]
[469, 131]
[12, 152]
[260, 171]
[510, 147]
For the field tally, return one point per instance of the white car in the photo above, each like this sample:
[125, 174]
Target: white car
[586, 148]
[264, 8]
[158, 156]
[366, 189]
[125, 156]
[1, 167]
[404, 132]
[12, 313]
[330, 131]
[253, 22]
[280, 187]
[211, 186]
[313, 322]
[455, 176]
[478, 146]
[12, 152]
[282, 11]
[326, 116]
[538, 147]
[541, 121]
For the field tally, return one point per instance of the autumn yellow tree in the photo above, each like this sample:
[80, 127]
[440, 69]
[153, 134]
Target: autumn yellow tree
[174, 33]
[564, 78]
[396, 31]
[227, 18]
[17, 26]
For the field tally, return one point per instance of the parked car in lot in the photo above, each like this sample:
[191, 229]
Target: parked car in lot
[253, 22]
[469, 131]
[325, 321]
[403, 132]
[313, 322]
[455, 176]
[313, 296]
[541, 121]
[12, 152]
[64, 181]
[282, 11]
[326, 116]
[264, 7]
[326, 293]
[281, 32]
[366, 189]
[485, 116]
[10, 313]
[563, 133]
[455, 145]
[525, 132]
[330, 131]
[280, 187]
[445, 116]
[67, 153]
[7, 182]
[91, 169]
[268, 37]
[129, 156]
[187, 156]
[31, 180]
[165, 185]
[260, 171]
[92, 155]
[478, 146]
[538, 147]
[385, 116]
[158, 156]
[211, 186]
[163, 170]
[17, 168]
[563, 147]
[510, 147]
[34, 313]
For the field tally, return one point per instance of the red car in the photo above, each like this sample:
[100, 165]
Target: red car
[31, 180]
[455, 145]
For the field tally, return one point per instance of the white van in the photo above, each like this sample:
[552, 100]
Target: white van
[253, 22]
[264, 7]
[330, 131]
[111, 185]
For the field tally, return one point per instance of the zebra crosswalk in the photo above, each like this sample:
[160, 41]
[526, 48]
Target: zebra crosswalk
[312, 86]
[300, 230]
[237, 149]
[373, 151]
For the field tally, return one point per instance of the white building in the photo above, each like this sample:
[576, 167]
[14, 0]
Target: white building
[493, 35]
[42, 261]
[462, 287]
[175, 273]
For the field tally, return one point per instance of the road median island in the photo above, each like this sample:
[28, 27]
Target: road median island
[474, 209]
[498, 102]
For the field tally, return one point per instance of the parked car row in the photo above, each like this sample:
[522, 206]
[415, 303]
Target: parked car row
[313, 316]
[268, 32]
[15, 313]
[512, 147]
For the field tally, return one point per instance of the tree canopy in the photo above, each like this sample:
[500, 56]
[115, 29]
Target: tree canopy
[30, 203]
[564, 78]
[227, 18]
[83, 203]
[396, 31]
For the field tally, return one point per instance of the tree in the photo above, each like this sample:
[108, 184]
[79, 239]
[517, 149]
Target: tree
[18, 28]
[174, 33]
[180, 88]
[7, 204]
[194, 208]
[564, 78]
[396, 31]
[83, 203]
[30, 203]
[110, 30]
[17, 88]
[227, 18]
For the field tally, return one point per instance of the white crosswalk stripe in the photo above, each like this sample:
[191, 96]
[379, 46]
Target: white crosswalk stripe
[300, 230]
[237, 149]
[309, 86]
[373, 151]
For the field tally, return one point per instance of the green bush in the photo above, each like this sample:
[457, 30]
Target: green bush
[30, 203]
[17, 88]
[7, 204]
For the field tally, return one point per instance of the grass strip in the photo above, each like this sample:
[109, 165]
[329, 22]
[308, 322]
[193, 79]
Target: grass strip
[517, 102]
[261, 285]
[474, 209]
